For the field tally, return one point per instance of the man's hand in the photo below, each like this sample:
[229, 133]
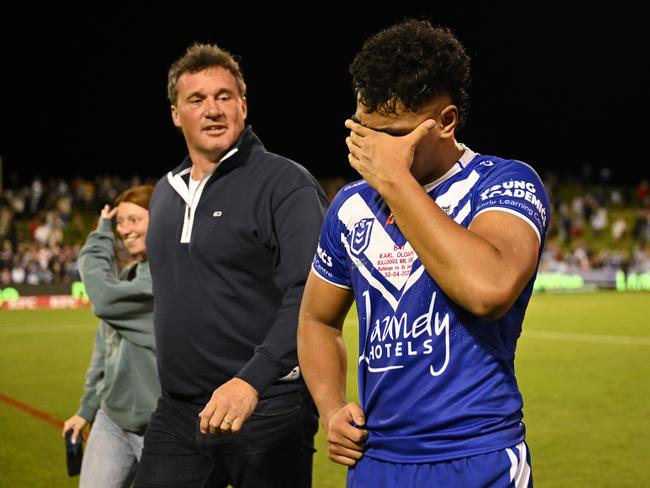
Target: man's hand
[345, 434]
[230, 406]
[381, 158]
[76, 424]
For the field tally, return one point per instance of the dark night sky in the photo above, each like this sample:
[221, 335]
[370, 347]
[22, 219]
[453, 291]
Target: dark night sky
[84, 92]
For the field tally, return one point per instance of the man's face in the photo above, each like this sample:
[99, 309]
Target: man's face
[210, 111]
[403, 123]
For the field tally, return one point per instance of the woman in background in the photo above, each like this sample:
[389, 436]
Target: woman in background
[122, 384]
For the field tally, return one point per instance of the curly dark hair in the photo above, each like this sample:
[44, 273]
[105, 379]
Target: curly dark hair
[411, 63]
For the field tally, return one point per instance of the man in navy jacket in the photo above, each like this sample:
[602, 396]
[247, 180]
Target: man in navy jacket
[231, 236]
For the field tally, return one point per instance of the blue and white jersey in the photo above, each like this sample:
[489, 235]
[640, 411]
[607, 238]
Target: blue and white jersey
[435, 381]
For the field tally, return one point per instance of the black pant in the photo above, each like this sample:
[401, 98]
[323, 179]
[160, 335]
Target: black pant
[274, 448]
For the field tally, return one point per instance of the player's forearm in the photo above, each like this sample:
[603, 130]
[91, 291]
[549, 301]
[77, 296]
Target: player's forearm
[323, 364]
[468, 268]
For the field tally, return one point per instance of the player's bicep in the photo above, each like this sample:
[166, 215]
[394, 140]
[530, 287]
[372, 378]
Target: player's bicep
[324, 303]
[515, 239]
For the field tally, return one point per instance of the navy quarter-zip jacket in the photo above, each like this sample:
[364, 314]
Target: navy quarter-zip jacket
[229, 267]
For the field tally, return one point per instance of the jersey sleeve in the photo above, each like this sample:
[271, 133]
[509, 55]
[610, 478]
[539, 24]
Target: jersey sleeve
[515, 188]
[330, 261]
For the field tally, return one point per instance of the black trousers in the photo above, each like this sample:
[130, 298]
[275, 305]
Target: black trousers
[274, 448]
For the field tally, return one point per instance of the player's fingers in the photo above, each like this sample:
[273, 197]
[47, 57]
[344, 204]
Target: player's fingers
[342, 460]
[356, 413]
[355, 151]
[344, 451]
[350, 438]
[347, 443]
[355, 138]
[349, 457]
[356, 435]
[352, 147]
[357, 128]
[421, 131]
[354, 162]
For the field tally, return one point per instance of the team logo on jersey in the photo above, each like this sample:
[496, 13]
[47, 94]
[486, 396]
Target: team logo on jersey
[360, 236]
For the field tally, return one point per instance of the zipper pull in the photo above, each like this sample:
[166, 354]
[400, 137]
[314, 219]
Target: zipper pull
[188, 211]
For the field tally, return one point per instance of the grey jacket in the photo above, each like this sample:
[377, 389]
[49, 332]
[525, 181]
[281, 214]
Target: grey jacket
[122, 378]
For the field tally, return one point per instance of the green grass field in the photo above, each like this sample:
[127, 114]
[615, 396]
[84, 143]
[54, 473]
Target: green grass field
[583, 365]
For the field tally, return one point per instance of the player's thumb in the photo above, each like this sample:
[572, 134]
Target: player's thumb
[356, 412]
[421, 131]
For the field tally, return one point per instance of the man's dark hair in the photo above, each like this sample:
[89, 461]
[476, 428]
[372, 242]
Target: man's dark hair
[410, 64]
[199, 57]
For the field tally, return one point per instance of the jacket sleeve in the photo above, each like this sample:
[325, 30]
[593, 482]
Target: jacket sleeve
[126, 306]
[297, 220]
[94, 375]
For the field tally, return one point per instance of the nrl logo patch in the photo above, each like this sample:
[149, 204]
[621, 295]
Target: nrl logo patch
[360, 237]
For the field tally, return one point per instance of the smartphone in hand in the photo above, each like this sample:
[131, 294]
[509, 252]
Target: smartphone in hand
[74, 453]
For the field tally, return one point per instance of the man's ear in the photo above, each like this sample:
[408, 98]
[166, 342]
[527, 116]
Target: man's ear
[244, 107]
[448, 121]
[175, 117]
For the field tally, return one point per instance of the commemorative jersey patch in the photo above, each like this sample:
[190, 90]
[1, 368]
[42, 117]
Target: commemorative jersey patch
[373, 251]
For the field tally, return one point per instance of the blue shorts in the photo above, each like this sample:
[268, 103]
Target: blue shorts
[508, 468]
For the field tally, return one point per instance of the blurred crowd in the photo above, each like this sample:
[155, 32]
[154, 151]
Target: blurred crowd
[596, 226]
[43, 224]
